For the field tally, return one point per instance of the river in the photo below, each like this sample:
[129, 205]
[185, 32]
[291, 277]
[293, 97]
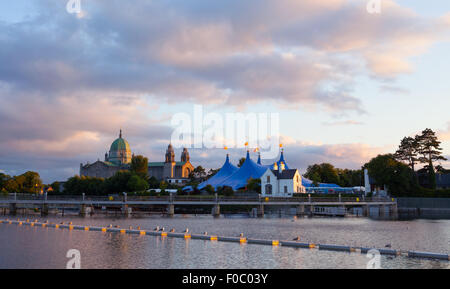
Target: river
[37, 247]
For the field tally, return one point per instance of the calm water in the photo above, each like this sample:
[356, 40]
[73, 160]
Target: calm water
[36, 247]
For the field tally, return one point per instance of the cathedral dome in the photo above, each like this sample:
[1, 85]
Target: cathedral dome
[120, 144]
[120, 152]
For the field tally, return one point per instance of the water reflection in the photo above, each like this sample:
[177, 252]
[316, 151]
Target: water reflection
[36, 247]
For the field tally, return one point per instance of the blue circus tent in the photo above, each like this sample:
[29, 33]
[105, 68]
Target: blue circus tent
[249, 169]
[227, 170]
[308, 183]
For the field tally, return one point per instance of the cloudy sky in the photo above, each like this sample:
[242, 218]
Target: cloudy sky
[347, 84]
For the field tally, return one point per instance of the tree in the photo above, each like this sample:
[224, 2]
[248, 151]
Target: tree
[441, 170]
[211, 173]
[429, 148]
[210, 189]
[119, 182]
[408, 151]
[56, 186]
[3, 179]
[386, 170]
[225, 190]
[153, 183]
[241, 162]
[136, 184]
[88, 185]
[323, 173]
[11, 186]
[432, 176]
[32, 183]
[254, 185]
[139, 166]
[350, 178]
[198, 173]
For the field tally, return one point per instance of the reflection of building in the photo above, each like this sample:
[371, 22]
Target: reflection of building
[281, 182]
[119, 158]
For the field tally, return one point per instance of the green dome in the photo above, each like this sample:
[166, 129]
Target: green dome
[120, 152]
[119, 144]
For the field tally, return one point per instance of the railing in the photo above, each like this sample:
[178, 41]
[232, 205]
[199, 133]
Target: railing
[175, 198]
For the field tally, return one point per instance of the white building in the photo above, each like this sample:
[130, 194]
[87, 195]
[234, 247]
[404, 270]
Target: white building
[280, 182]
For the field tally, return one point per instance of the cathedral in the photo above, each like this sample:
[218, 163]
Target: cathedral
[119, 158]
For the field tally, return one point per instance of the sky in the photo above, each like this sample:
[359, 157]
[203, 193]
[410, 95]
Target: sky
[348, 85]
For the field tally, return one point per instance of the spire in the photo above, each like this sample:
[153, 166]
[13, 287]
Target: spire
[227, 159]
[259, 158]
[120, 134]
[248, 155]
[282, 156]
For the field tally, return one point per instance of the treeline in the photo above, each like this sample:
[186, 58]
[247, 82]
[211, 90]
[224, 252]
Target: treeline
[29, 182]
[327, 173]
[122, 181]
[397, 171]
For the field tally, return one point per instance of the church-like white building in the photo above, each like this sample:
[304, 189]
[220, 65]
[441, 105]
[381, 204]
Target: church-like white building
[281, 182]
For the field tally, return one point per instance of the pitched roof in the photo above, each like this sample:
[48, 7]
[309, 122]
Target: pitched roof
[285, 174]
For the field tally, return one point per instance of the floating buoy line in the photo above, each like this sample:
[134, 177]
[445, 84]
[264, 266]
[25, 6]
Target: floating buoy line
[240, 239]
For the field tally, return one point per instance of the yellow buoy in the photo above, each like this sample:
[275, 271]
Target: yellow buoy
[86, 228]
[312, 246]
[142, 232]
[103, 229]
[243, 240]
[275, 243]
[187, 236]
[163, 234]
[213, 238]
[122, 231]
[56, 226]
[70, 227]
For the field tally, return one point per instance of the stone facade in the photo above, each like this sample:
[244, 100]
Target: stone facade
[119, 158]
